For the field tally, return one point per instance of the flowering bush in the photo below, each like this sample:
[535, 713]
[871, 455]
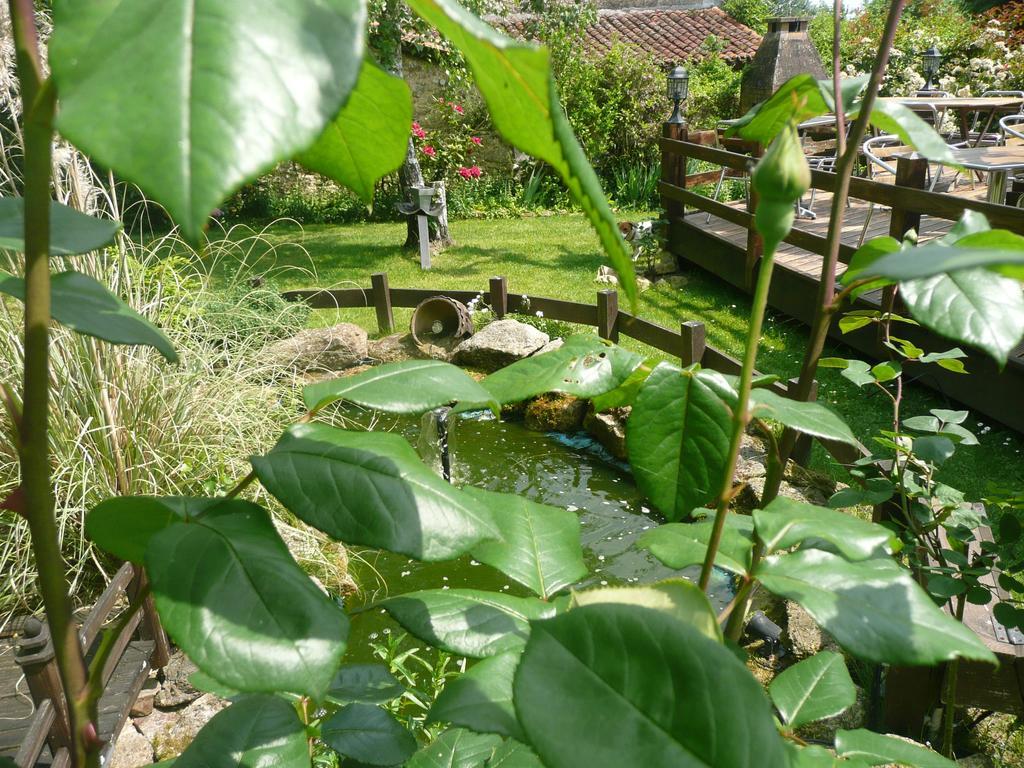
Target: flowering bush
[446, 150]
[976, 55]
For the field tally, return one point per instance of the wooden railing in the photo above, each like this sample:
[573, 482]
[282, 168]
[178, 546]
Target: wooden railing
[50, 724]
[990, 390]
[689, 343]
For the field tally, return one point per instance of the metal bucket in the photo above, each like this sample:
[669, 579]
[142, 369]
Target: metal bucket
[439, 318]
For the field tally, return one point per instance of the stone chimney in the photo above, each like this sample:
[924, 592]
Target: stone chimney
[785, 51]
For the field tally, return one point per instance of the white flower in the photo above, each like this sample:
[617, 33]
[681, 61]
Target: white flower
[539, 313]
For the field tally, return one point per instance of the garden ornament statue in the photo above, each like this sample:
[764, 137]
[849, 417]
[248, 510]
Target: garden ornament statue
[678, 90]
[930, 61]
[421, 204]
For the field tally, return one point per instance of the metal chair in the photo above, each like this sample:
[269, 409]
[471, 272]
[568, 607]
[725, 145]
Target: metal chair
[983, 137]
[1012, 125]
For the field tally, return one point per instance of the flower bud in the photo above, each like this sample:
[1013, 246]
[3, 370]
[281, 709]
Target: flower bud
[781, 178]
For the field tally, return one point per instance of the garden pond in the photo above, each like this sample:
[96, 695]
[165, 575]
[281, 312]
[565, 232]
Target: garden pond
[571, 471]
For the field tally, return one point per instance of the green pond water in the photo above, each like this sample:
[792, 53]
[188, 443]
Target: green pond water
[569, 471]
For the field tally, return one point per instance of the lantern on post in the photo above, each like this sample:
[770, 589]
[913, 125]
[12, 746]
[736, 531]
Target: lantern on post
[930, 61]
[678, 90]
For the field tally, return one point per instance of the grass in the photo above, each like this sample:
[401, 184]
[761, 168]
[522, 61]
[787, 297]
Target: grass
[558, 256]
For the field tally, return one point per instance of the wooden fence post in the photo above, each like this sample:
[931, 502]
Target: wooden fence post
[673, 168]
[755, 246]
[608, 314]
[35, 656]
[382, 302]
[499, 297]
[801, 452]
[694, 338]
[910, 172]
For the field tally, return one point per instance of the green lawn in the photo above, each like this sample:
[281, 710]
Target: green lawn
[558, 256]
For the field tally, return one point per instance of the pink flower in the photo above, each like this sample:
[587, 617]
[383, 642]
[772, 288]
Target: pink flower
[457, 108]
[418, 131]
[429, 151]
[475, 171]
[476, 140]
[465, 173]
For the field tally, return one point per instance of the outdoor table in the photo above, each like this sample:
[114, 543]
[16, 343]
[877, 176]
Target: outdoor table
[997, 162]
[964, 105]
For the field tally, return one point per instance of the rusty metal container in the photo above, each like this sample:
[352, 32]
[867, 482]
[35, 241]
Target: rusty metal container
[438, 319]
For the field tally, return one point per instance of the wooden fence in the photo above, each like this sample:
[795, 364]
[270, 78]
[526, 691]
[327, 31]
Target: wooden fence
[989, 390]
[689, 343]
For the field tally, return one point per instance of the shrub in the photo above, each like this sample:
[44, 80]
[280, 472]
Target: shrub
[714, 88]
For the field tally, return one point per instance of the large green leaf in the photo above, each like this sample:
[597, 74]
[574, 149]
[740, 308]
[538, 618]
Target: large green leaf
[364, 683]
[86, 306]
[513, 754]
[71, 231]
[677, 437]
[808, 417]
[813, 756]
[585, 366]
[230, 594]
[371, 488]
[799, 98]
[679, 598]
[369, 734]
[873, 608]
[679, 545]
[997, 250]
[814, 689]
[369, 137]
[786, 522]
[539, 546]
[468, 622]
[606, 686]
[123, 525]
[481, 698]
[190, 99]
[878, 749]
[456, 748]
[254, 732]
[515, 80]
[890, 116]
[410, 386]
[974, 306]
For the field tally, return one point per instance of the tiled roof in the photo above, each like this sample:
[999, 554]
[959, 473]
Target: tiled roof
[672, 35]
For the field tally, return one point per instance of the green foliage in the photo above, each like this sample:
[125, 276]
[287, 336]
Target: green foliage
[678, 439]
[649, 659]
[714, 87]
[200, 132]
[814, 689]
[85, 305]
[635, 666]
[71, 232]
[373, 490]
[877, 749]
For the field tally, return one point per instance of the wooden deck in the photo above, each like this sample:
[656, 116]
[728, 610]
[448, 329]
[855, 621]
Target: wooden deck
[723, 246]
[808, 263]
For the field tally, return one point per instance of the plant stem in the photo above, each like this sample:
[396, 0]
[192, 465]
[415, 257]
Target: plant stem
[951, 674]
[741, 415]
[38, 107]
[844, 170]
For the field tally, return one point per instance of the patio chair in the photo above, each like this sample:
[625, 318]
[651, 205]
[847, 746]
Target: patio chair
[1012, 125]
[990, 138]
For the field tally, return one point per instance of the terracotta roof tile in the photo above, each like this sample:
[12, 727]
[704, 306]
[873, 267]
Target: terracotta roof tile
[672, 35]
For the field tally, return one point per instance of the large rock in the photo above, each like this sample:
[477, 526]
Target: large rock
[402, 346]
[176, 690]
[609, 429]
[499, 344]
[171, 740]
[131, 749]
[805, 637]
[320, 349]
[555, 412]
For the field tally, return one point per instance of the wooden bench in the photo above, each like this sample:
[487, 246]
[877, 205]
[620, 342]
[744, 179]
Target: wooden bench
[34, 726]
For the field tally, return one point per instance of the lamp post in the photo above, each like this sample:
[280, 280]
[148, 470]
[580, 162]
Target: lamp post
[930, 61]
[678, 90]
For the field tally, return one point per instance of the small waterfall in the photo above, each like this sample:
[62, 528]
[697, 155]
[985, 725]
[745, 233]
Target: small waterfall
[434, 443]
